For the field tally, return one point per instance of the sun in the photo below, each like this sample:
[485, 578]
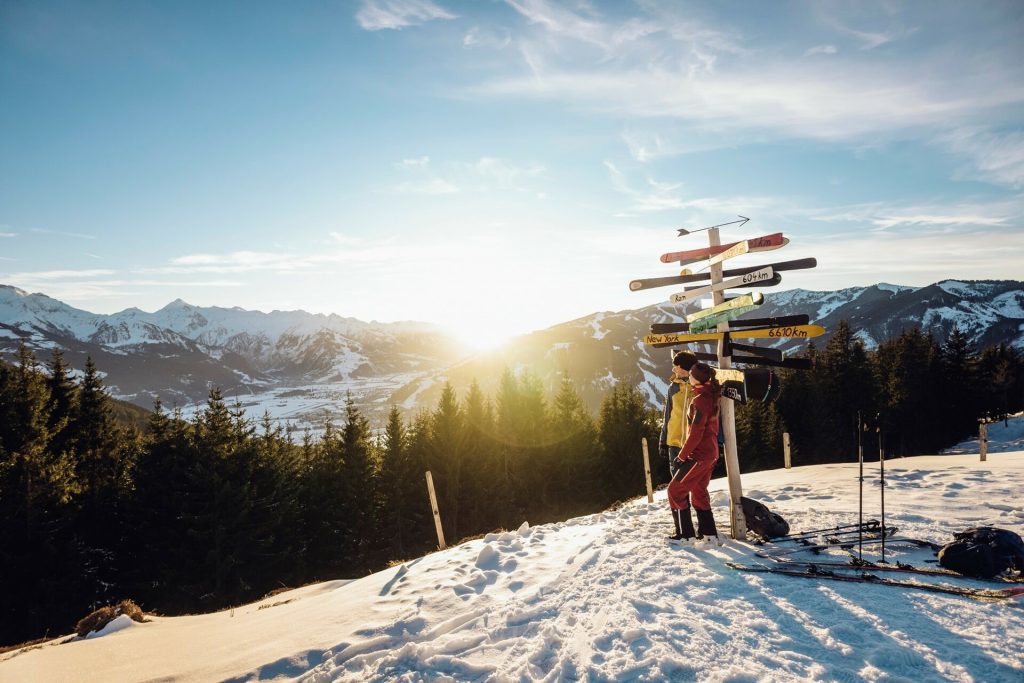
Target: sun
[476, 337]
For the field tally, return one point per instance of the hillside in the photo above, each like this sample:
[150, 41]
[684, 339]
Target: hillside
[607, 597]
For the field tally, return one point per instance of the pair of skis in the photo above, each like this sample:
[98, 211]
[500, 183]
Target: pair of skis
[812, 571]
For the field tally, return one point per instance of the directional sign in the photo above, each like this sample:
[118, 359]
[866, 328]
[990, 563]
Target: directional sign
[739, 281]
[789, 332]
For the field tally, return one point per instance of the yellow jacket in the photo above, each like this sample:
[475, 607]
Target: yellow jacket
[677, 405]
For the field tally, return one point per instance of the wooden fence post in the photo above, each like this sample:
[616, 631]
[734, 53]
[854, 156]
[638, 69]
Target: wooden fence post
[983, 441]
[647, 471]
[786, 451]
[437, 514]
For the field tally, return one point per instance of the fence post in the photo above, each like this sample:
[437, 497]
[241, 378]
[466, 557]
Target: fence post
[647, 471]
[785, 450]
[437, 514]
[983, 441]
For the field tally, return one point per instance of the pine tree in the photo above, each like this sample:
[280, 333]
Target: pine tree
[447, 459]
[575, 452]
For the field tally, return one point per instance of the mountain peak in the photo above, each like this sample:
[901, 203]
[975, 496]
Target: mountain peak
[176, 304]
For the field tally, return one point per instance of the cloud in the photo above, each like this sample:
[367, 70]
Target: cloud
[940, 218]
[666, 65]
[47, 275]
[376, 15]
[41, 231]
[483, 175]
[821, 50]
[8, 234]
[997, 157]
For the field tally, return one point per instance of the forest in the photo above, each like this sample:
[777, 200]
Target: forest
[186, 516]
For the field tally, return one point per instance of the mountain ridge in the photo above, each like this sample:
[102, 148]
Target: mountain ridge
[180, 351]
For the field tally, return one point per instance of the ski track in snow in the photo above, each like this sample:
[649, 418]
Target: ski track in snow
[607, 597]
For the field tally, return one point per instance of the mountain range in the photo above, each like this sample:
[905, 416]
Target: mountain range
[301, 367]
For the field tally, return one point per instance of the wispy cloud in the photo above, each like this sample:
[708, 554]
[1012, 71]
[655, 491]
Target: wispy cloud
[8, 234]
[376, 15]
[483, 175]
[821, 50]
[994, 156]
[46, 275]
[939, 217]
[79, 235]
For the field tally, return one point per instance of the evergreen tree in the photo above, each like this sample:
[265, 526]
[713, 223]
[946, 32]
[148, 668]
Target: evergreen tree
[625, 419]
[359, 479]
[448, 459]
[482, 479]
[574, 441]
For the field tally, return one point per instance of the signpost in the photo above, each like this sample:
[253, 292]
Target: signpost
[719, 316]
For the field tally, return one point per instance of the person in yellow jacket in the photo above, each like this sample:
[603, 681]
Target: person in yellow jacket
[675, 424]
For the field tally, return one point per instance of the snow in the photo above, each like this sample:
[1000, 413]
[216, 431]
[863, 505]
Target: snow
[607, 597]
[1004, 436]
[595, 324]
[955, 287]
[1009, 304]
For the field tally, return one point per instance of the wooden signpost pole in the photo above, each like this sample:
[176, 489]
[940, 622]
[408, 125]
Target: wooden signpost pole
[737, 522]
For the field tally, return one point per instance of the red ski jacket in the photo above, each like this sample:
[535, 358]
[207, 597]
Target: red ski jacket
[702, 435]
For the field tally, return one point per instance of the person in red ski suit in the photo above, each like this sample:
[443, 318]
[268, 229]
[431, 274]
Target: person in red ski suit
[697, 458]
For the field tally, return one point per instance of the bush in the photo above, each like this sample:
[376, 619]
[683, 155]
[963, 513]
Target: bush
[104, 615]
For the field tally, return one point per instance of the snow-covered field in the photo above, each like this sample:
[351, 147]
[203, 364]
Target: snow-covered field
[608, 597]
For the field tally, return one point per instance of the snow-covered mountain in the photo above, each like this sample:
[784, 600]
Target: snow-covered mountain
[300, 366]
[600, 350]
[180, 351]
[607, 597]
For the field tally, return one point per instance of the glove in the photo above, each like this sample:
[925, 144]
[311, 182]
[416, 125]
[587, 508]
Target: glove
[684, 466]
[663, 451]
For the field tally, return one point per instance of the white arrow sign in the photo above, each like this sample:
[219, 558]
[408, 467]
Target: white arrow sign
[742, 280]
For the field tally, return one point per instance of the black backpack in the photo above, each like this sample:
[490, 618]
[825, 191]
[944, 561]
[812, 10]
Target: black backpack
[762, 521]
[984, 552]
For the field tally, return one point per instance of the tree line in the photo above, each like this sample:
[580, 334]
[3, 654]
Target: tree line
[918, 393]
[193, 515]
[188, 515]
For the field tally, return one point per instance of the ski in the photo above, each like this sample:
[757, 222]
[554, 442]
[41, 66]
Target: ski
[808, 537]
[710, 322]
[763, 275]
[763, 243]
[846, 544]
[781, 321]
[984, 594]
[787, 363]
[865, 565]
[788, 332]
[871, 524]
[762, 351]
[753, 299]
[688, 277]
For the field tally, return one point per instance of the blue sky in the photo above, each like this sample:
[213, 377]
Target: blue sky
[492, 166]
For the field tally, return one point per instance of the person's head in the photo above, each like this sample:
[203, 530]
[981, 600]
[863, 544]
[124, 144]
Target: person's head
[701, 373]
[682, 362]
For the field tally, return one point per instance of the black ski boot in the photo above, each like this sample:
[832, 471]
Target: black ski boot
[684, 525]
[706, 525]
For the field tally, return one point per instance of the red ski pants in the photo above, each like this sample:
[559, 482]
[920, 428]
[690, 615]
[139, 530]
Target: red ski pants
[692, 486]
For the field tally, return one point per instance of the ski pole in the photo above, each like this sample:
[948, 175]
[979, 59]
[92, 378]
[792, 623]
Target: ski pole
[881, 465]
[860, 496]
[853, 528]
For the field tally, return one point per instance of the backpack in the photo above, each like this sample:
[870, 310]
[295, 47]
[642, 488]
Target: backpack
[762, 521]
[983, 552]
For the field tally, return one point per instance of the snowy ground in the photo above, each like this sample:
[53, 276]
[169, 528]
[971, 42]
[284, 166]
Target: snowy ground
[607, 597]
[1004, 436]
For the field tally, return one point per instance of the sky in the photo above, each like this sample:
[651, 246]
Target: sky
[498, 166]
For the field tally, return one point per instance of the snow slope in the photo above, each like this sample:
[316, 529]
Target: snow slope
[607, 597]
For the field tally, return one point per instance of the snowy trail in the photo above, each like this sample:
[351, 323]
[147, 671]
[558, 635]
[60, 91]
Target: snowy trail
[608, 597]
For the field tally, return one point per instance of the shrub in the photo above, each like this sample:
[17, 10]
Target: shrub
[104, 615]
